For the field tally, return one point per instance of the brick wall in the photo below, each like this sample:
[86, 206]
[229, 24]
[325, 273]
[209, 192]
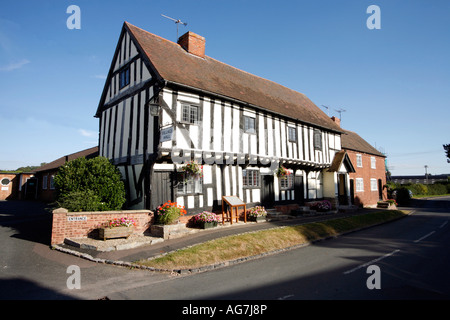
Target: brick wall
[368, 197]
[8, 190]
[193, 43]
[83, 224]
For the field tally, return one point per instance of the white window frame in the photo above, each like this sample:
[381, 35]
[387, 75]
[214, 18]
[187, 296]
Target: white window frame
[359, 162]
[373, 185]
[287, 182]
[359, 184]
[52, 182]
[317, 139]
[292, 134]
[44, 182]
[247, 127]
[373, 162]
[188, 185]
[251, 178]
[190, 113]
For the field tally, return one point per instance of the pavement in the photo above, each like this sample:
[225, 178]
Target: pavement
[147, 247]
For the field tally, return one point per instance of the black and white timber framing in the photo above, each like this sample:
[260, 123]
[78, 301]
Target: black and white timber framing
[130, 137]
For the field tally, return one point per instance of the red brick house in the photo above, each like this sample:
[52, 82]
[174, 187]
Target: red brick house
[368, 180]
[16, 186]
[46, 173]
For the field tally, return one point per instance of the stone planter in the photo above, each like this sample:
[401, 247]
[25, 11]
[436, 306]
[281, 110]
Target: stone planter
[207, 225]
[386, 205]
[167, 231]
[112, 233]
[257, 219]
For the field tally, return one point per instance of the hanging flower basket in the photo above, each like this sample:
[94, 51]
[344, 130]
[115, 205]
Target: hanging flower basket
[282, 172]
[194, 169]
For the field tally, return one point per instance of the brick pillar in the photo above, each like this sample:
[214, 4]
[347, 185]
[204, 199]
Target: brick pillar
[59, 226]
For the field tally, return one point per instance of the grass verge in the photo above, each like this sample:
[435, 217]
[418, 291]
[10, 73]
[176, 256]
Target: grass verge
[259, 242]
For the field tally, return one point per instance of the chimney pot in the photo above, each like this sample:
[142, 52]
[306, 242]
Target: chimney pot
[193, 43]
[336, 120]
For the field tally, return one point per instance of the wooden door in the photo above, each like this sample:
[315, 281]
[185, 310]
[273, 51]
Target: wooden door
[162, 188]
[267, 191]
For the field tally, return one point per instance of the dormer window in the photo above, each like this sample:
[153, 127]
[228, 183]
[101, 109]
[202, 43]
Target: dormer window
[124, 77]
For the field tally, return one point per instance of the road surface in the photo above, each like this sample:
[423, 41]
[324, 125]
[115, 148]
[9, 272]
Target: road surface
[405, 259]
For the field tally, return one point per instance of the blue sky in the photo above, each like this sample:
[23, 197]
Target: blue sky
[394, 82]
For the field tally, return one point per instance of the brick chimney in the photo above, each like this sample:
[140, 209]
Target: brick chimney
[193, 43]
[336, 120]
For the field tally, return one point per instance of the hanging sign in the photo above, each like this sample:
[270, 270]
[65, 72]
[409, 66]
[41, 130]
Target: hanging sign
[166, 134]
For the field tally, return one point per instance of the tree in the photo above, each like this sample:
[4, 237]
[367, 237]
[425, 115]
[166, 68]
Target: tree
[447, 151]
[89, 185]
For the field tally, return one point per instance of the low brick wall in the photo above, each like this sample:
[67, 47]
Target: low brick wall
[84, 224]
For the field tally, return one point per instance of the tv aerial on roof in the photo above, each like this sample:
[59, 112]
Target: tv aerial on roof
[340, 112]
[177, 22]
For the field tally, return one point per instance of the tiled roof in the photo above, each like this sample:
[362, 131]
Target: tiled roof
[88, 153]
[352, 141]
[339, 158]
[175, 65]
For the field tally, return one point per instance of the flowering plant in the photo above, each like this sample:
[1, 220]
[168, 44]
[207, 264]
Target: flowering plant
[257, 211]
[282, 172]
[193, 168]
[205, 216]
[324, 205]
[392, 201]
[169, 212]
[120, 222]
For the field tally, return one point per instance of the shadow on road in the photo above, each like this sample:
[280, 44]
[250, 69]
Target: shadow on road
[21, 289]
[31, 220]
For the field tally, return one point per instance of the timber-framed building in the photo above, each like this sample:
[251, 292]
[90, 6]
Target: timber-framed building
[166, 103]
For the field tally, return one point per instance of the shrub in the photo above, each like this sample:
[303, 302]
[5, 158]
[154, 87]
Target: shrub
[418, 189]
[97, 178]
[77, 201]
[437, 189]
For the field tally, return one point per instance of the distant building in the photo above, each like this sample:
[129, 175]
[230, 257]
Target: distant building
[45, 174]
[428, 179]
[17, 186]
[368, 180]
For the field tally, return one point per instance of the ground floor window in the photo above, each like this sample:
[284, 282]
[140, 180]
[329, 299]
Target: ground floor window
[44, 182]
[287, 182]
[359, 184]
[250, 178]
[373, 185]
[187, 184]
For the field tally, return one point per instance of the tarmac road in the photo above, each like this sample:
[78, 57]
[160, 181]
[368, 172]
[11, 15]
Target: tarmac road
[411, 254]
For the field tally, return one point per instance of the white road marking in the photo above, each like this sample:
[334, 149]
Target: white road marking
[425, 236]
[371, 262]
[443, 225]
[285, 297]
